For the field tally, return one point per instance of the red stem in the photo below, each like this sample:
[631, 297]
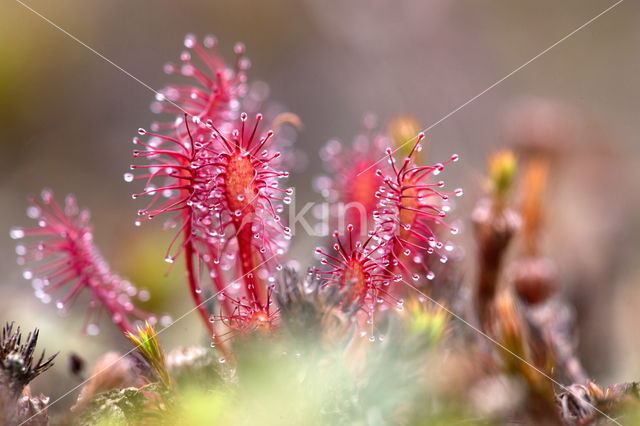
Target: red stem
[219, 287]
[245, 246]
[189, 253]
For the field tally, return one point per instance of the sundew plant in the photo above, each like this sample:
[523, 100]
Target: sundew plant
[383, 325]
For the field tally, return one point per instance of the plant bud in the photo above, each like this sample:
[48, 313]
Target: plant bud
[534, 279]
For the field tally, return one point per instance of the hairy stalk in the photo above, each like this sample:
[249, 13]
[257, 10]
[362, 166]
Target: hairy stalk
[253, 284]
[194, 287]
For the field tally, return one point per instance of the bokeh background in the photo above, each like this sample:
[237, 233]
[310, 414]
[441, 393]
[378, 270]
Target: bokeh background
[67, 118]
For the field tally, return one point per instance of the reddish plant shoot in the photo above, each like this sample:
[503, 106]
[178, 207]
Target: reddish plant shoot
[213, 89]
[248, 201]
[228, 200]
[216, 176]
[179, 180]
[352, 188]
[411, 209]
[356, 266]
[64, 256]
[246, 317]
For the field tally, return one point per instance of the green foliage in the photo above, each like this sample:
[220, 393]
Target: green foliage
[427, 323]
[288, 379]
[502, 172]
[116, 408]
[146, 342]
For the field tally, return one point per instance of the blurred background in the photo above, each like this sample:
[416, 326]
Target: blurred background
[67, 118]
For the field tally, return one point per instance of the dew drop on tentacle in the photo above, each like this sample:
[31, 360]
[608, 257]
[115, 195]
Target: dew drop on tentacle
[33, 212]
[190, 41]
[169, 68]
[46, 195]
[16, 233]
[209, 41]
[144, 295]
